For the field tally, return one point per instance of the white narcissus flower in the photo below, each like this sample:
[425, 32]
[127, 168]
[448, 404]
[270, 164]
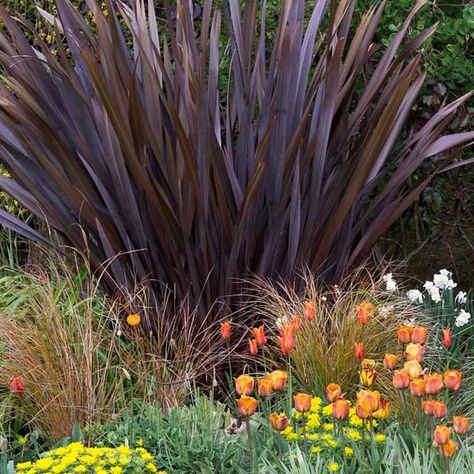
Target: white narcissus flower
[435, 294]
[462, 319]
[443, 280]
[461, 297]
[390, 283]
[428, 285]
[415, 296]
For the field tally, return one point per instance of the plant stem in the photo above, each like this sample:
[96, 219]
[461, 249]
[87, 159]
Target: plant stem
[249, 437]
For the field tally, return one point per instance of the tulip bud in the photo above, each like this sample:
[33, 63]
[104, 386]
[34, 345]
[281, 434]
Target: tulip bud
[302, 402]
[460, 424]
[225, 330]
[447, 450]
[287, 339]
[244, 385]
[401, 379]
[441, 434]
[371, 399]
[447, 337]
[265, 387]
[419, 335]
[296, 322]
[390, 361]
[247, 406]
[452, 379]
[364, 312]
[309, 310]
[367, 377]
[417, 388]
[17, 385]
[340, 409]
[362, 410]
[428, 406]
[383, 412]
[414, 351]
[333, 392]
[259, 335]
[279, 423]
[433, 384]
[413, 369]
[359, 350]
[440, 409]
[278, 378]
[404, 334]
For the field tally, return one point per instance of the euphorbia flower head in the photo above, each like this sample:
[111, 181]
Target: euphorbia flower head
[17, 385]
[440, 410]
[265, 387]
[225, 330]
[428, 406]
[413, 369]
[417, 388]
[359, 351]
[247, 406]
[340, 409]
[441, 434]
[244, 385]
[278, 379]
[279, 422]
[364, 312]
[390, 361]
[447, 337]
[401, 379]
[447, 450]
[253, 347]
[419, 334]
[302, 402]
[433, 383]
[414, 351]
[383, 411]
[333, 392]
[404, 334]
[309, 310]
[460, 424]
[259, 335]
[452, 379]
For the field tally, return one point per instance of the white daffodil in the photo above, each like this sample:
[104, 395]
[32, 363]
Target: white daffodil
[390, 283]
[462, 319]
[415, 296]
[461, 297]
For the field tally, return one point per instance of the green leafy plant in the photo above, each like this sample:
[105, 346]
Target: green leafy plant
[130, 155]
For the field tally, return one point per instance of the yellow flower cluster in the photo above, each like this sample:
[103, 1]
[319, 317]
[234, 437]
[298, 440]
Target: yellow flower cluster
[77, 458]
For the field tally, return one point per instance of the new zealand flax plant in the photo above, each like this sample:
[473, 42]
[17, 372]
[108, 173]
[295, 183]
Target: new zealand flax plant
[116, 134]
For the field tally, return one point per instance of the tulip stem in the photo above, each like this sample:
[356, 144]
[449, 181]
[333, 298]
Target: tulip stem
[305, 441]
[249, 437]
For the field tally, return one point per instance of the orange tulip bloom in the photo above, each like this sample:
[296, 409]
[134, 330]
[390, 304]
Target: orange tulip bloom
[265, 387]
[419, 335]
[401, 379]
[447, 450]
[441, 434]
[413, 369]
[447, 337]
[259, 335]
[279, 423]
[302, 402]
[247, 406]
[309, 310]
[404, 334]
[428, 406]
[287, 339]
[383, 412]
[253, 347]
[390, 361]
[244, 385]
[225, 330]
[17, 385]
[414, 351]
[333, 392]
[296, 322]
[368, 363]
[364, 312]
[371, 399]
[359, 350]
[452, 379]
[367, 377]
[362, 410]
[278, 379]
[417, 388]
[433, 383]
[440, 409]
[340, 409]
[460, 424]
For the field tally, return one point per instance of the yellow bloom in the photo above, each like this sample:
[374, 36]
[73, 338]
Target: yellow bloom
[21, 440]
[23, 466]
[139, 442]
[80, 469]
[151, 467]
[116, 470]
[355, 421]
[380, 438]
[354, 435]
[44, 463]
[333, 467]
[133, 319]
[328, 427]
[313, 421]
[348, 451]
[327, 410]
[316, 449]
[313, 436]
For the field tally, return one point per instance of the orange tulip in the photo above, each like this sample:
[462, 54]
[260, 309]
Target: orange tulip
[441, 434]
[383, 412]
[253, 347]
[247, 406]
[359, 350]
[428, 406]
[296, 322]
[452, 379]
[287, 340]
[333, 392]
[419, 334]
[404, 334]
[340, 409]
[309, 310]
[17, 385]
[414, 351]
[362, 410]
[259, 335]
[413, 369]
[244, 385]
[278, 379]
[367, 377]
[265, 387]
[225, 330]
[447, 337]
[440, 410]
[371, 399]
[401, 379]
[447, 450]
[417, 388]
[364, 312]
[433, 383]
[279, 423]
[368, 363]
[460, 424]
[302, 402]
[390, 361]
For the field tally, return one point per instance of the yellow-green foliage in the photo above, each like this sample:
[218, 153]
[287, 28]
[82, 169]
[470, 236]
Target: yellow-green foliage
[78, 458]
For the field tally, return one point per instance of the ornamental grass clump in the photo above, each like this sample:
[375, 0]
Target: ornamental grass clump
[116, 134]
